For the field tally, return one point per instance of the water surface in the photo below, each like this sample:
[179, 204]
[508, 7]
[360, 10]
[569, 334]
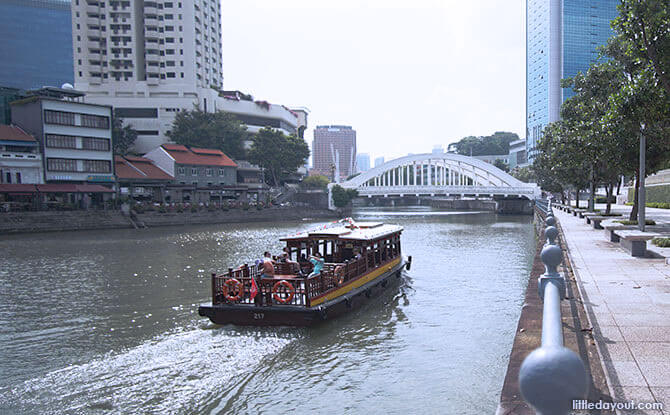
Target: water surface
[105, 322]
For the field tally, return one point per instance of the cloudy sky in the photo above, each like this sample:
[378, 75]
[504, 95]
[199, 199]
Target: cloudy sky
[407, 75]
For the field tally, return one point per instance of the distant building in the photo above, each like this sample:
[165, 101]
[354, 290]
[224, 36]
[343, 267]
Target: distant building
[438, 149]
[517, 154]
[493, 157]
[200, 174]
[36, 46]
[379, 161]
[20, 158]
[75, 138]
[141, 179]
[362, 162]
[334, 151]
[562, 37]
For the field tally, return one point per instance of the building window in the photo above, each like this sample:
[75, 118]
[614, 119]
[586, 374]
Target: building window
[18, 177]
[221, 172]
[181, 171]
[54, 164]
[194, 171]
[97, 166]
[58, 117]
[98, 144]
[209, 172]
[94, 121]
[61, 141]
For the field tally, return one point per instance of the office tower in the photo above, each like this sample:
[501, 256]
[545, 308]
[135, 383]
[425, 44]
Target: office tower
[379, 161]
[334, 151]
[362, 162]
[36, 46]
[562, 37]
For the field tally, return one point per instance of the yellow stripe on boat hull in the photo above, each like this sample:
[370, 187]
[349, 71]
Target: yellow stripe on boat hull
[357, 283]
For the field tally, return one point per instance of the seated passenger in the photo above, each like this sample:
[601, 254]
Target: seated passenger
[268, 266]
[317, 260]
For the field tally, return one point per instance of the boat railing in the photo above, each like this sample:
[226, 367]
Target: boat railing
[332, 276]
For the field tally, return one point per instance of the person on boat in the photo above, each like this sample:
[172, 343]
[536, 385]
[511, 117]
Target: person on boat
[317, 261]
[268, 266]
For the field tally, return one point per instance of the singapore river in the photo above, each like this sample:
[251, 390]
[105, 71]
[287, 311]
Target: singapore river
[105, 322]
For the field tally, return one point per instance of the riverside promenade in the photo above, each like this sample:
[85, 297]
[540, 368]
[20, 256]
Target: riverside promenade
[627, 300]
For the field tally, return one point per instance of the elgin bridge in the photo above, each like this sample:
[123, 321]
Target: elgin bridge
[445, 175]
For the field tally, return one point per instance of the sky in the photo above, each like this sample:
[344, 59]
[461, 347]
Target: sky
[406, 75]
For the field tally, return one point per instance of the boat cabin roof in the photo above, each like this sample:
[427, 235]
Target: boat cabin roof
[360, 231]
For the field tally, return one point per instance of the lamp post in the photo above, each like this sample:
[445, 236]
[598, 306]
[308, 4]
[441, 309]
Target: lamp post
[641, 194]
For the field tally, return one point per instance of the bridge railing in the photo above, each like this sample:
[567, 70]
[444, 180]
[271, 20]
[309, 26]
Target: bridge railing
[552, 376]
[530, 191]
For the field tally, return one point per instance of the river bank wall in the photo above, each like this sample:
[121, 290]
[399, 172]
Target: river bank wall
[27, 222]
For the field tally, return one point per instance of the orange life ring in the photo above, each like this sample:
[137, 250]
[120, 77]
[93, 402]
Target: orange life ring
[227, 287]
[288, 286]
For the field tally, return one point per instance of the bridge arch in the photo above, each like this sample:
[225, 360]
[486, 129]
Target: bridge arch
[439, 174]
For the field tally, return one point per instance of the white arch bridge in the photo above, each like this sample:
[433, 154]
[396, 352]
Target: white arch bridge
[445, 174]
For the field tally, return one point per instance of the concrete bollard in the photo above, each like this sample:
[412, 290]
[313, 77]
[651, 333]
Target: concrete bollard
[552, 376]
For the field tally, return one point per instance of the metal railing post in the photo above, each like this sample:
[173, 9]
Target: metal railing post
[552, 376]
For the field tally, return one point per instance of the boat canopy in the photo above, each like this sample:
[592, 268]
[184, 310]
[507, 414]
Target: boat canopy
[359, 231]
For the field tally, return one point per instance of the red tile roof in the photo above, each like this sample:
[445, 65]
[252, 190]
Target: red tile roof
[17, 188]
[198, 156]
[14, 133]
[131, 167]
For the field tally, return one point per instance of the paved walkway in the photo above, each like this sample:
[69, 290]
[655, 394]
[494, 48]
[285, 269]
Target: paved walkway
[628, 302]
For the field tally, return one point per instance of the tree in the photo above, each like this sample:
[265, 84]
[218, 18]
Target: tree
[498, 143]
[525, 174]
[316, 182]
[123, 137]
[217, 130]
[278, 154]
[501, 165]
[645, 25]
[342, 197]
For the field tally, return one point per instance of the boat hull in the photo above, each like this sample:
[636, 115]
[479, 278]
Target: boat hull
[250, 315]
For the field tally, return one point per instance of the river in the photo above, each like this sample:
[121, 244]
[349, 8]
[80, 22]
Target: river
[105, 322]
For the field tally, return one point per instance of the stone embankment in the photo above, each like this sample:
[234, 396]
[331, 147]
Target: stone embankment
[24, 222]
[464, 204]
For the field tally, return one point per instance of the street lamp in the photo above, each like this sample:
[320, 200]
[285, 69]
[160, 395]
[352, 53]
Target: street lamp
[641, 194]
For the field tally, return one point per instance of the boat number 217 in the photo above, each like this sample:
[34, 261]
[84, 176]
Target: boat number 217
[259, 316]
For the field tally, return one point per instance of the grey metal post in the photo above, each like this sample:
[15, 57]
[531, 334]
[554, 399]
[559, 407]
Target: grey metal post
[641, 193]
[552, 376]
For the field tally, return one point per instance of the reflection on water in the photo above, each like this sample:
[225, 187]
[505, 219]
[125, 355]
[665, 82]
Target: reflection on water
[109, 324]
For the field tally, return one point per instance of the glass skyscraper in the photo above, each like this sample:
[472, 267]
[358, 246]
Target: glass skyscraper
[562, 37]
[35, 43]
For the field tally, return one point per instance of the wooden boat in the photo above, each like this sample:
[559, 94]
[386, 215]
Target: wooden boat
[361, 261]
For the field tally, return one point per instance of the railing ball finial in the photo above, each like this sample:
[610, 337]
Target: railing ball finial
[550, 378]
[551, 257]
[550, 220]
[551, 233]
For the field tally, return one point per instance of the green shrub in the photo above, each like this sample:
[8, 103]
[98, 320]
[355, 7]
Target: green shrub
[180, 208]
[211, 208]
[194, 208]
[162, 209]
[654, 194]
[634, 222]
[661, 242]
[659, 205]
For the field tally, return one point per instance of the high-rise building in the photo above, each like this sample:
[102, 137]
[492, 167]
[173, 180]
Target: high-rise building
[379, 161]
[562, 37]
[36, 46]
[334, 151]
[151, 60]
[362, 162]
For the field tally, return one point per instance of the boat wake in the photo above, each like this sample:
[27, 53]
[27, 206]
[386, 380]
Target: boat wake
[171, 374]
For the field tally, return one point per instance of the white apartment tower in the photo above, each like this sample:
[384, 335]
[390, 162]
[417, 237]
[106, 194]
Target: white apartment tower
[120, 43]
[148, 59]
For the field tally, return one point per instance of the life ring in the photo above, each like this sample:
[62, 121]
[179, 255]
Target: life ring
[228, 286]
[288, 286]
